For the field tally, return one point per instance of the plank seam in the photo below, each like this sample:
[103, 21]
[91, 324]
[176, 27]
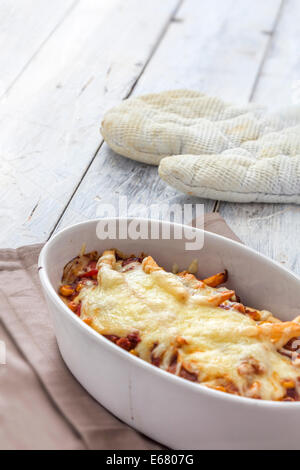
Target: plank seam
[267, 49]
[147, 62]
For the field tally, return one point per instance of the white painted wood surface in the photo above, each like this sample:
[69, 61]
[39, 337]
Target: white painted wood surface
[273, 229]
[25, 25]
[192, 54]
[64, 62]
[51, 116]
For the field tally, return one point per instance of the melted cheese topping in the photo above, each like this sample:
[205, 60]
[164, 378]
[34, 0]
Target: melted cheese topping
[224, 349]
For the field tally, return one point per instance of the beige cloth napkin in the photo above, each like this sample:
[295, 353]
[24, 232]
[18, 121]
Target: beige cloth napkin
[41, 405]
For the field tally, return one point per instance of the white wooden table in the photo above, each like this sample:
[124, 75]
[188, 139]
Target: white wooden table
[64, 62]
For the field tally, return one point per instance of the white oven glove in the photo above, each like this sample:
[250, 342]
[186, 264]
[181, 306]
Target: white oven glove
[214, 149]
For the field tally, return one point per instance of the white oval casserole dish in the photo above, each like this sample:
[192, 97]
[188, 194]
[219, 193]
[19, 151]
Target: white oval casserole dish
[178, 413]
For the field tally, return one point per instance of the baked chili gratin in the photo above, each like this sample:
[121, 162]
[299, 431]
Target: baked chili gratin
[192, 328]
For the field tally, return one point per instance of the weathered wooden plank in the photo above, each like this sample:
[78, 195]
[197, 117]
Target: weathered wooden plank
[279, 83]
[51, 116]
[273, 229]
[212, 46]
[25, 25]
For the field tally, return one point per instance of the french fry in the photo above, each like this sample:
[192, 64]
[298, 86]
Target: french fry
[216, 280]
[280, 333]
[167, 281]
[108, 258]
[107, 276]
[149, 265]
[218, 299]
[195, 283]
[213, 300]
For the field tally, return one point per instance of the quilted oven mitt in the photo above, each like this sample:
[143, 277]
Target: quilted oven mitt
[209, 148]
